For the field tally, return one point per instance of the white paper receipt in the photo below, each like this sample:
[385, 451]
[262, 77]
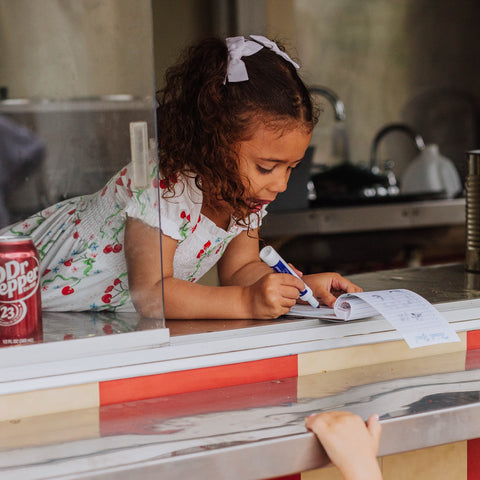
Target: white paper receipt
[416, 319]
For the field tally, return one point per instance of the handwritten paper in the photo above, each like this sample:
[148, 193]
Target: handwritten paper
[417, 320]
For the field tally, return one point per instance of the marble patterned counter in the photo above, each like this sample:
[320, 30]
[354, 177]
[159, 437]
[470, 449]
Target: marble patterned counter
[253, 431]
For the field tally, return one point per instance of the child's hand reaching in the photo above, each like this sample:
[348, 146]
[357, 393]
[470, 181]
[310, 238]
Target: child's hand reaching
[328, 286]
[350, 444]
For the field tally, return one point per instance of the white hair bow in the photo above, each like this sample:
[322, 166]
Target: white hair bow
[238, 47]
[273, 46]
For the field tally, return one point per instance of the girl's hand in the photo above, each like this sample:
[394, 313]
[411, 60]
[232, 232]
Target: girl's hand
[350, 444]
[328, 286]
[272, 295]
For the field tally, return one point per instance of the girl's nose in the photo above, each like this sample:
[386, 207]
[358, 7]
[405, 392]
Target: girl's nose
[280, 183]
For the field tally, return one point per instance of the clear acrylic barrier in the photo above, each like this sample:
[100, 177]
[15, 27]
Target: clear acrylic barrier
[74, 76]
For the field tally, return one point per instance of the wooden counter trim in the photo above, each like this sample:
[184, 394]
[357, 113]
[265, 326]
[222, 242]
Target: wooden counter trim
[152, 386]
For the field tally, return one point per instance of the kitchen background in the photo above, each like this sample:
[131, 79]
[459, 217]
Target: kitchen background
[76, 72]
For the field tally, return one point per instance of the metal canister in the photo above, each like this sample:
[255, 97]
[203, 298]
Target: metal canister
[472, 187]
[20, 295]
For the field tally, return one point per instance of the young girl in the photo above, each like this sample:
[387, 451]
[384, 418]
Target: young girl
[234, 119]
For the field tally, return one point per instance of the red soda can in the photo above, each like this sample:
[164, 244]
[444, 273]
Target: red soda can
[20, 295]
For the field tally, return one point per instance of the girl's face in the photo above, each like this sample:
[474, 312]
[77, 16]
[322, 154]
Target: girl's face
[267, 159]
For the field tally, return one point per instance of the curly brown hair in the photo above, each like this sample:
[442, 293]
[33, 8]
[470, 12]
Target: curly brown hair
[201, 118]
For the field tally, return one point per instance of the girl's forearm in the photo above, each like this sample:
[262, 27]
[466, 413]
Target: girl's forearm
[191, 300]
[186, 300]
[247, 275]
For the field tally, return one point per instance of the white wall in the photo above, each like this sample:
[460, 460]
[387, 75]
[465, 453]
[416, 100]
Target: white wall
[76, 48]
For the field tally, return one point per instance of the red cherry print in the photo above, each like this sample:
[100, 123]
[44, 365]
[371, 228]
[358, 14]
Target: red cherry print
[108, 248]
[200, 253]
[117, 248]
[109, 289]
[119, 181]
[107, 298]
[163, 184]
[207, 244]
[71, 212]
[155, 183]
[76, 235]
[77, 221]
[183, 214]
[67, 290]
[68, 262]
[104, 190]
[123, 172]
[194, 228]
[117, 281]
[107, 329]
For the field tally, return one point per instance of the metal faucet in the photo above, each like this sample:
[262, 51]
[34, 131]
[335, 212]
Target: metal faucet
[340, 144]
[332, 97]
[415, 136]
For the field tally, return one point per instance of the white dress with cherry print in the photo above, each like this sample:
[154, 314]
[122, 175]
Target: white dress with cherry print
[201, 242]
[81, 240]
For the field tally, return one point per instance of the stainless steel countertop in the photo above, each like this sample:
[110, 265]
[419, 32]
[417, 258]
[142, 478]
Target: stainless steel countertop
[349, 219]
[250, 431]
[437, 283]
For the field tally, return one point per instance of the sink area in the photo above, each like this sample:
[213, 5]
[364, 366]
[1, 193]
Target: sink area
[376, 216]
[381, 199]
[315, 185]
[366, 237]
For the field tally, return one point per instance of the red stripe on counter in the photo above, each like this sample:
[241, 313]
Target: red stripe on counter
[473, 340]
[472, 359]
[473, 459]
[151, 386]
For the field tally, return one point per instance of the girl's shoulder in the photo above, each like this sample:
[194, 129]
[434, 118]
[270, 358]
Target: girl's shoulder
[183, 189]
[180, 206]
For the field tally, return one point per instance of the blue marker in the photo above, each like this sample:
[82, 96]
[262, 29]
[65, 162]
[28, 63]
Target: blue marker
[275, 261]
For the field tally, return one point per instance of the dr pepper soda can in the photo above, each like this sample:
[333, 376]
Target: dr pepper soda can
[20, 302]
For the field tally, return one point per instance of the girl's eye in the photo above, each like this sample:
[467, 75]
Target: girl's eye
[270, 170]
[264, 170]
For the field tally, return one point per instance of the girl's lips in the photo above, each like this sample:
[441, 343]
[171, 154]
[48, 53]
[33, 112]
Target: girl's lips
[256, 205]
